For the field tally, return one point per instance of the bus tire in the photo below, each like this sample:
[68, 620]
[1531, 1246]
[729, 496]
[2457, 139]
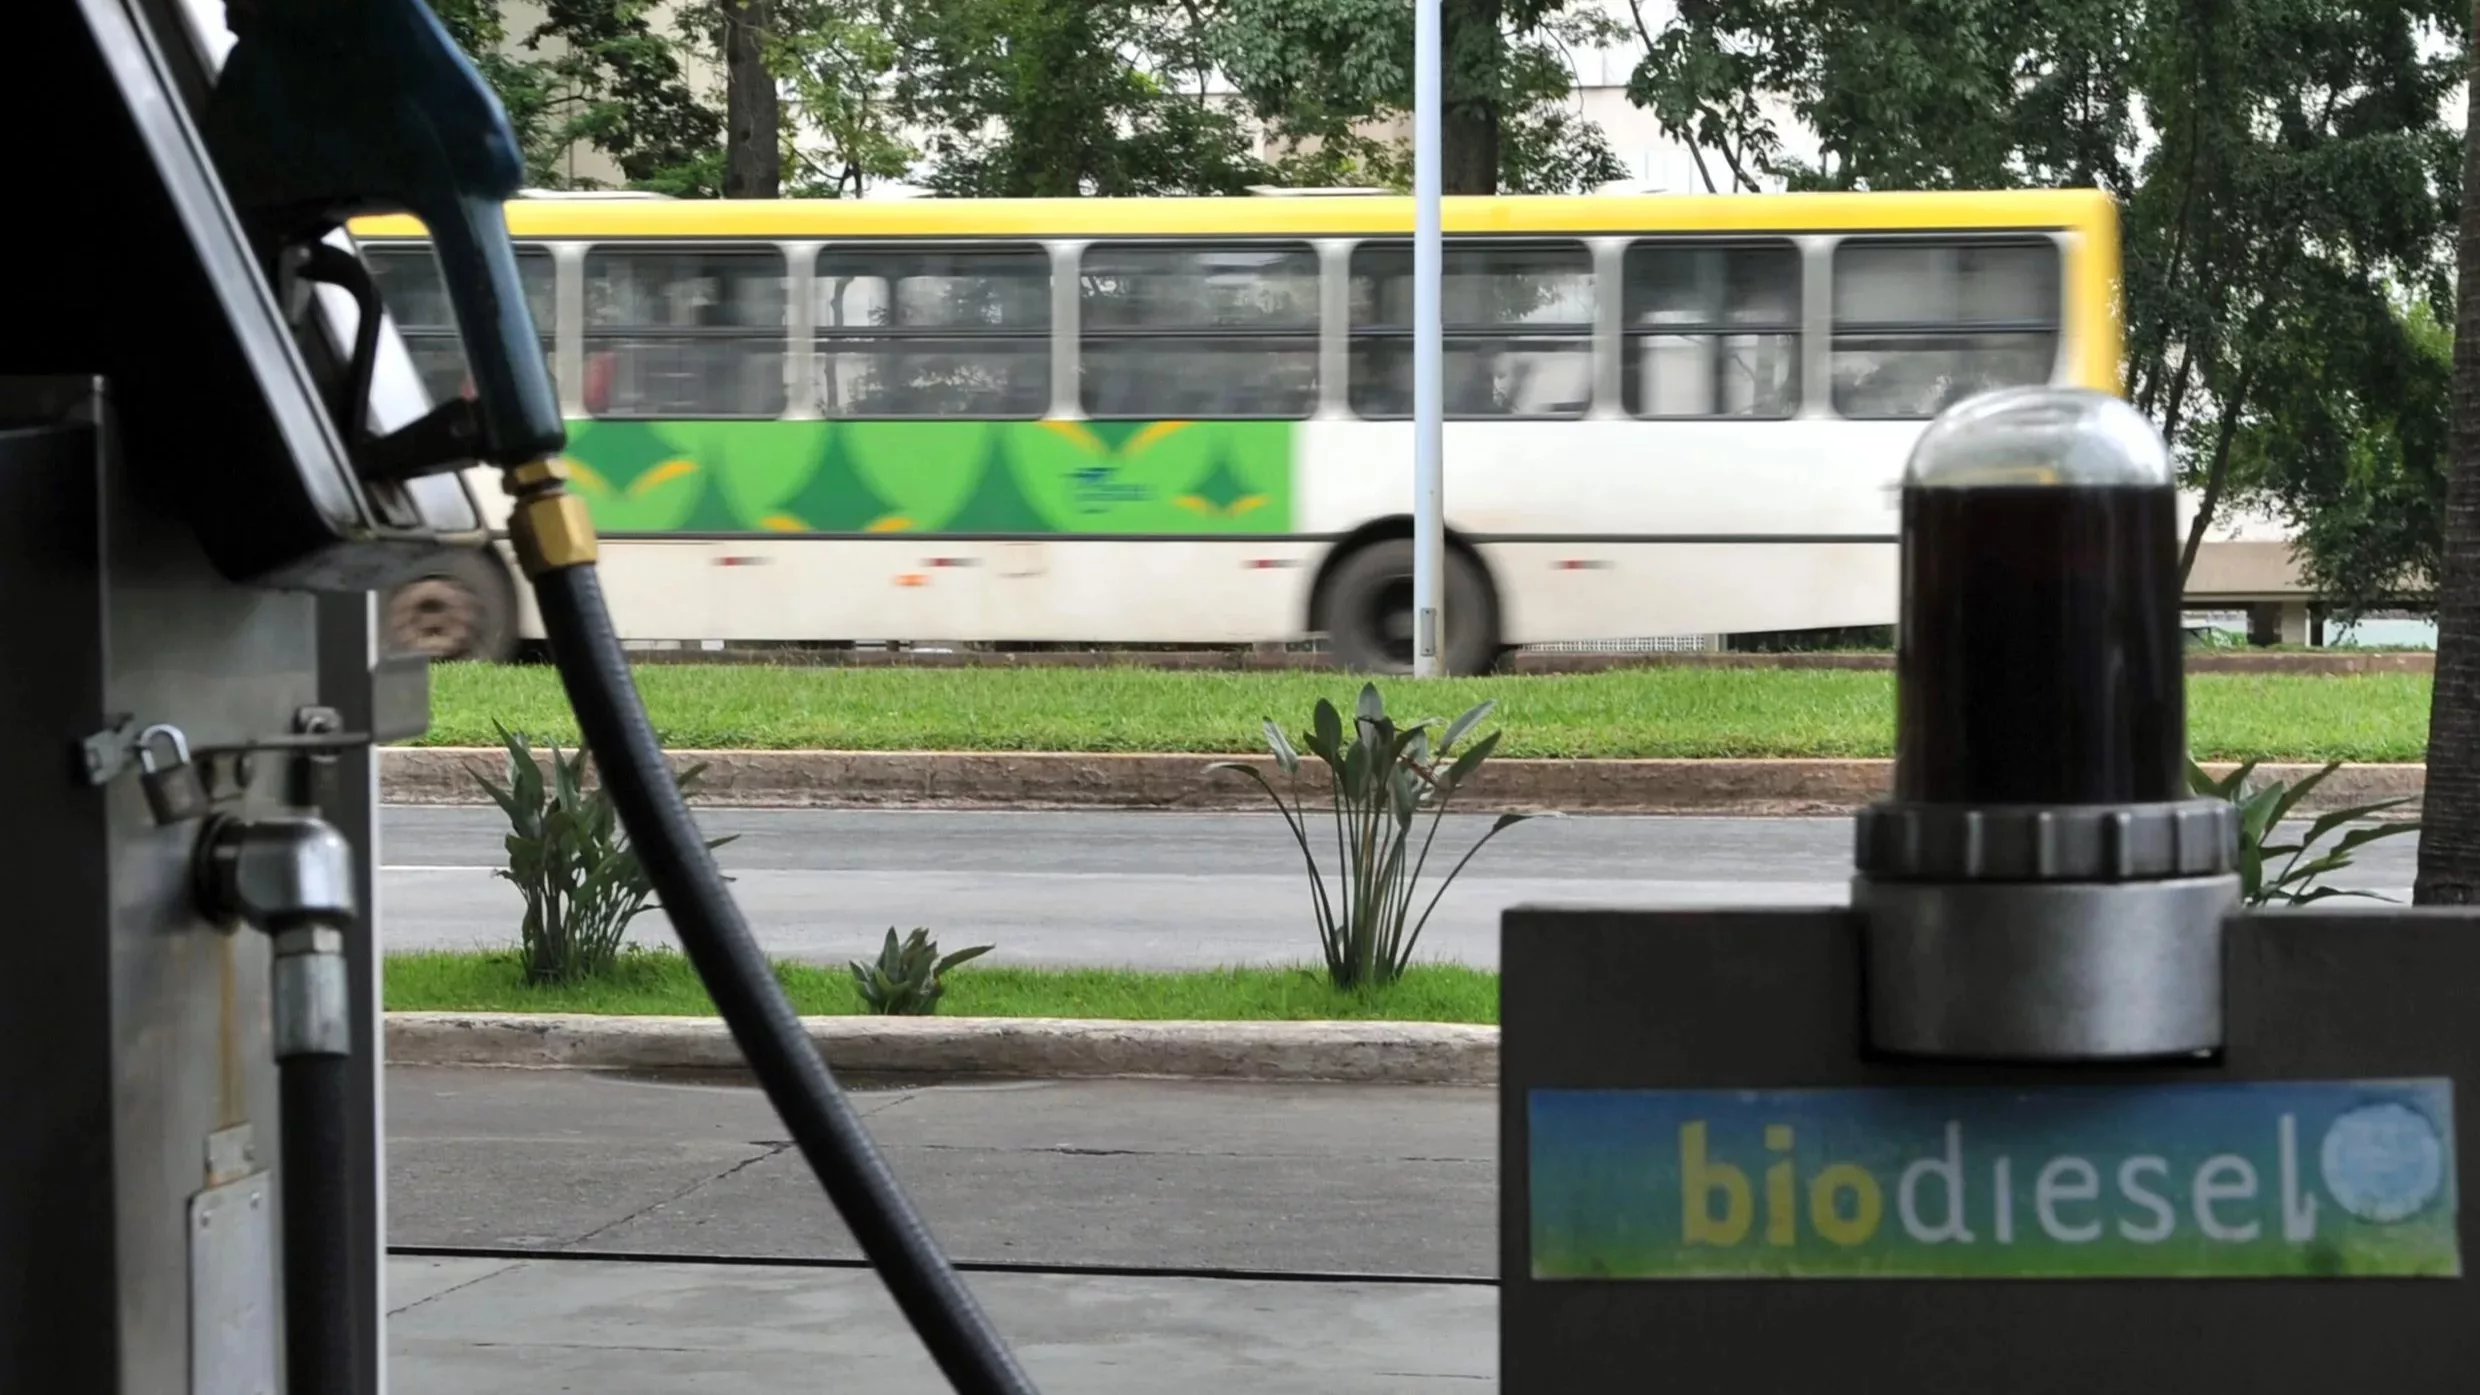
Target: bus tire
[1367, 611]
[464, 607]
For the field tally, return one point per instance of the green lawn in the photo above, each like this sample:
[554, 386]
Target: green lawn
[661, 983]
[1679, 713]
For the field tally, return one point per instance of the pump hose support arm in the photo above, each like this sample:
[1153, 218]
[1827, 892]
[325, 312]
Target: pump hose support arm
[555, 544]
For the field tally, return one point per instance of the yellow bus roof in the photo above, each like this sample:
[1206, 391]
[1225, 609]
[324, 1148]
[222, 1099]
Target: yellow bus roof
[701, 219]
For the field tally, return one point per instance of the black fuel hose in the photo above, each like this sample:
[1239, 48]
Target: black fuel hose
[315, 1098]
[612, 720]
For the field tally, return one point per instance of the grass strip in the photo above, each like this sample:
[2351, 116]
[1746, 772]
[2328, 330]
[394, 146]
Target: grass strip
[660, 983]
[1646, 713]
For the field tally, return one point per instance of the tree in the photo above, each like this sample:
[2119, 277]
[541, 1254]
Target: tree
[1321, 73]
[753, 158]
[525, 87]
[595, 72]
[2449, 868]
[2348, 445]
[1059, 98]
[826, 65]
[836, 59]
[2280, 163]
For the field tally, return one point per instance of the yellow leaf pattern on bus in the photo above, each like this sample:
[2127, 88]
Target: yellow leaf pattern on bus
[1153, 432]
[660, 475]
[584, 477]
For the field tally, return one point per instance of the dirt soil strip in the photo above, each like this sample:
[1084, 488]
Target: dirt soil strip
[900, 779]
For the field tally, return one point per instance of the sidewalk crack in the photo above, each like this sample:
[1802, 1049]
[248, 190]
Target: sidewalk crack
[769, 1149]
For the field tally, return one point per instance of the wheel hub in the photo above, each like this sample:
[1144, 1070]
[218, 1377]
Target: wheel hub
[434, 616]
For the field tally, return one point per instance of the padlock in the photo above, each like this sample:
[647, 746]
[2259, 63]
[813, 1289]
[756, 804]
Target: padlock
[174, 791]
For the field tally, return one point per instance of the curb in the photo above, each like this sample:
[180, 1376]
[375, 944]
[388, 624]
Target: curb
[1392, 1053]
[1522, 662]
[1038, 780]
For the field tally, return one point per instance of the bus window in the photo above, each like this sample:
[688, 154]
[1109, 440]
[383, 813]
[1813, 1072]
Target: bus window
[1921, 324]
[1516, 331]
[1712, 331]
[409, 284]
[1199, 332]
[933, 333]
[686, 333]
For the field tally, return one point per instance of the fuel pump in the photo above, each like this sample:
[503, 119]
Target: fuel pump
[289, 479]
[2045, 1109]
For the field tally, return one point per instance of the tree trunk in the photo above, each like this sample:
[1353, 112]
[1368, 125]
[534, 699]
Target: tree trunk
[753, 159]
[2217, 471]
[2450, 815]
[1468, 35]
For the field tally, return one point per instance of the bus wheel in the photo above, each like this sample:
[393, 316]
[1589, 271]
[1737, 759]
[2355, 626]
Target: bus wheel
[1368, 611]
[464, 609]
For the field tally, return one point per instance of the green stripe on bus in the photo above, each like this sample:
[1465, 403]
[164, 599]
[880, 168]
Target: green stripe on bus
[935, 477]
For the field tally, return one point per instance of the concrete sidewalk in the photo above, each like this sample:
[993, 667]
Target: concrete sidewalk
[1394, 1181]
[1384, 1183]
[499, 1327]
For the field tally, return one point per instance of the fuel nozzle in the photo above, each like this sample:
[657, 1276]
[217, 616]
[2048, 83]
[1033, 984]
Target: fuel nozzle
[2041, 886]
[327, 109]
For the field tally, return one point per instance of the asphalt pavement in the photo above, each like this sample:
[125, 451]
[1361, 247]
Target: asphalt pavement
[1144, 890]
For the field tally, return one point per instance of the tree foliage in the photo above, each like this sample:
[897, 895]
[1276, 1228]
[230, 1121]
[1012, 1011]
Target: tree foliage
[1059, 98]
[598, 73]
[2348, 445]
[1047, 97]
[832, 62]
[2282, 165]
[1322, 74]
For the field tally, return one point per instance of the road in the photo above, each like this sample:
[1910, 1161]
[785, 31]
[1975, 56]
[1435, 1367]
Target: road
[1143, 890]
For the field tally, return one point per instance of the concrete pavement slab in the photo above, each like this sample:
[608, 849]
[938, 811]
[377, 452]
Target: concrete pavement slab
[1222, 1211]
[1301, 1179]
[647, 1329]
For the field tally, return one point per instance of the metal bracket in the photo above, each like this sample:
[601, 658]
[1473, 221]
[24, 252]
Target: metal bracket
[232, 1154]
[104, 755]
[315, 730]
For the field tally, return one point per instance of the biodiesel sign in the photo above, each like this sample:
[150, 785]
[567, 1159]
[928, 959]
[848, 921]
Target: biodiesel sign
[2327, 1179]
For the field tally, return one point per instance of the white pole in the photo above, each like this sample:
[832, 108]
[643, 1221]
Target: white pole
[1429, 531]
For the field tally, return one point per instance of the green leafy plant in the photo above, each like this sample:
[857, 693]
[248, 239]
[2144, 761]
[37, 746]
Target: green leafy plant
[572, 862]
[909, 978]
[2262, 808]
[1381, 780]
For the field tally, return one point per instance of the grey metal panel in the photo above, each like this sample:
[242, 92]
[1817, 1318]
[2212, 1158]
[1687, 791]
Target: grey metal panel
[58, 1314]
[152, 1021]
[189, 1000]
[1771, 999]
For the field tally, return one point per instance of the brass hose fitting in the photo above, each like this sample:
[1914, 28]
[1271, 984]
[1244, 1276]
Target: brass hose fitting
[549, 526]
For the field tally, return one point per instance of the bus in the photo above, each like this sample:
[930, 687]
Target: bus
[1186, 421]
